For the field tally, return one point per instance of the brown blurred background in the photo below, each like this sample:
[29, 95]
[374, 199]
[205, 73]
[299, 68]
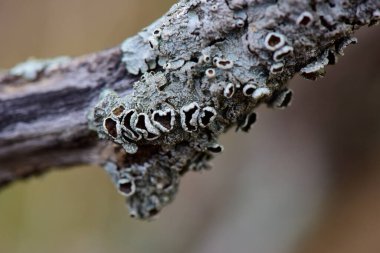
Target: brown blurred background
[306, 179]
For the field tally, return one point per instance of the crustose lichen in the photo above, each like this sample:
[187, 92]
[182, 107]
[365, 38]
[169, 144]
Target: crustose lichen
[204, 68]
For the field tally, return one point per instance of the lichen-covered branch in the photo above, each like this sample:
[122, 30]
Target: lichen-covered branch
[169, 92]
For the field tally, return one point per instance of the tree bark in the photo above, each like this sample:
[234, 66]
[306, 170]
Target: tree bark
[44, 121]
[44, 106]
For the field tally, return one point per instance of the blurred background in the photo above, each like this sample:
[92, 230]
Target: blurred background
[306, 179]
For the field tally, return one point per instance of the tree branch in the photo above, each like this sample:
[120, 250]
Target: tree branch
[179, 84]
[43, 121]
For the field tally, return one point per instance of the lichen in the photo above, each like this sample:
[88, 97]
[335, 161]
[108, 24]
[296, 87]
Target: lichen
[205, 67]
[30, 69]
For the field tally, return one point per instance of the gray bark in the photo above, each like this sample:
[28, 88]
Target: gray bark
[43, 121]
[225, 56]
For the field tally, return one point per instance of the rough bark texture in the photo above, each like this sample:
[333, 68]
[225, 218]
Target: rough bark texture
[43, 118]
[177, 86]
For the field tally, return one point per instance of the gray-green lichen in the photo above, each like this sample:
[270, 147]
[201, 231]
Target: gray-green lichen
[205, 67]
[30, 69]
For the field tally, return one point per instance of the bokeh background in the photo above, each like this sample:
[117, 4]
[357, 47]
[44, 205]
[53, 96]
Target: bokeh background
[306, 179]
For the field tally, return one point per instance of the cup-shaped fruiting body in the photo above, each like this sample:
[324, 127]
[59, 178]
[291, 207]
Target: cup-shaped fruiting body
[344, 43]
[128, 129]
[277, 68]
[157, 33]
[224, 64]
[215, 60]
[207, 116]
[215, 148]
[239, 23]
[316, 68]
[248, 89]
[144, 207]
[376, 14]
[332, 56]
[126, 187]
[282, 53]
[282, 99]
[189, 117]
[274, 41]
[153, 42]
[133, 213]
[163, 119]
[260, 93]
[153, 213]
[305, 19]
[110, 126]
[214, 7]
[143, 125]
[248, 121]
[206, 58]
[229, 90]
[210, 73]
[375, 18]
[118, 111]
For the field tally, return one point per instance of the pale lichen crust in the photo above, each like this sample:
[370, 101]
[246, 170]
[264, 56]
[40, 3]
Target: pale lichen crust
[205, 67]
[30, 69]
